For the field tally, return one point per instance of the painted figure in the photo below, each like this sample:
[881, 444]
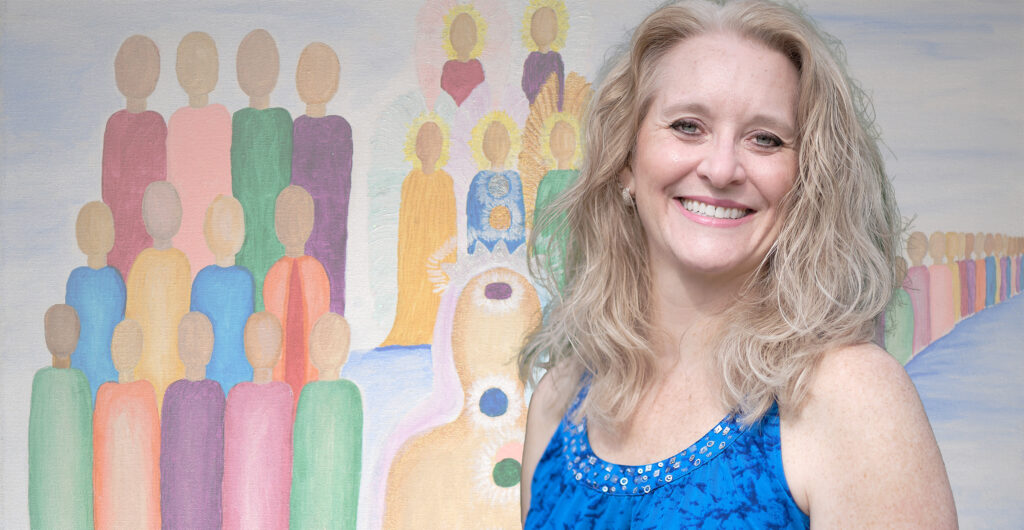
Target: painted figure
[970, 273]
[158, 289]
[981, 279]
[464, 34]
[192, 435]
[899, 320]
[97, 292]
[297, 290]
[465, 473]
[544, 27]
[261, 155]
[198, 145]
[126, 431]
[60, 432]
[494, 206]
[991, 272]
[258, 436]
[134, 149]
[322, 164]
[426, 231]
[952, 249]
[917, 286]
[223, 292]
[940, 288]
[328, 436]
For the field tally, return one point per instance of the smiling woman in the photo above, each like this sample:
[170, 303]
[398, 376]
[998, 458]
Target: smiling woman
[731, 240]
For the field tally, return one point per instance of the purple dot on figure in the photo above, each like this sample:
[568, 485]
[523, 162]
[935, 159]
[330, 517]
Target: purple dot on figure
[493, 402]
[498, 291]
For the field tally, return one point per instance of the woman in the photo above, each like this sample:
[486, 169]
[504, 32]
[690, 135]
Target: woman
[731, 240]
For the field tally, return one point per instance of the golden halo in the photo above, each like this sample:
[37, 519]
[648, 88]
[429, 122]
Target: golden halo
[481, 30]
[545, 136]
[414, 130]
[476, 143]
[561, 13]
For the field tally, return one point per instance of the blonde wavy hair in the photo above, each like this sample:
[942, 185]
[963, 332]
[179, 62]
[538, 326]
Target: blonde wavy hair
[828, 276]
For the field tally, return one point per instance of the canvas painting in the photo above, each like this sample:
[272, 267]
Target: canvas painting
[266, 265]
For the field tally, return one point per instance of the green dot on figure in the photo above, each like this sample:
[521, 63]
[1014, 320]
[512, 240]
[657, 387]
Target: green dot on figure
[506, 473]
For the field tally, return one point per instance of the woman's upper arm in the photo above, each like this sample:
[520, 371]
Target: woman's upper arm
[541, 422]
[861, 453]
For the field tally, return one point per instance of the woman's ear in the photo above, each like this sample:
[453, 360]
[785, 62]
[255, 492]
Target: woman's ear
[626, 178]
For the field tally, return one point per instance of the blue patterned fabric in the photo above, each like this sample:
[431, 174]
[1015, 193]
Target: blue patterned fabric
[730, 478]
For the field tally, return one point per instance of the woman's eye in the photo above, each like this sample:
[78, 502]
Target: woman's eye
[686, 126]
[767, 140]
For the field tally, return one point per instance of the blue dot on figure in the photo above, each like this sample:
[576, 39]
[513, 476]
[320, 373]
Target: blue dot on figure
[493, 402]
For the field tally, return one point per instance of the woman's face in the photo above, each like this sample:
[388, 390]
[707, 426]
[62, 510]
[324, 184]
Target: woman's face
[714, 156]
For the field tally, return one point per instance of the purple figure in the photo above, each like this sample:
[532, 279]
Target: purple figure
[544, 61]
[192, 435]
[322, 164]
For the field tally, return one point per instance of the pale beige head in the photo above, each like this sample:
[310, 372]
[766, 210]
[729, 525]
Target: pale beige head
[328, 345]
[544, 27]
[917, 247]
[198, 66]
[937, 247]
[990, 244]
[126, 348]
[224, 228]
[137, 67]
[262, 342]
[563, 144]
[496, 143]
[257, 64]
[463, 35]
[901, 269]
[952, 246]
[195, 344]
[61, 329]
[316, 77]
[293, 219]
[94, 230]
[969, 245]
[161, 211]
[429, 142]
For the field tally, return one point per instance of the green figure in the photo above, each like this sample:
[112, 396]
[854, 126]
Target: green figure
[328, 436]
[60, 432]
[899, 327]
[551, 186]
[261, 156]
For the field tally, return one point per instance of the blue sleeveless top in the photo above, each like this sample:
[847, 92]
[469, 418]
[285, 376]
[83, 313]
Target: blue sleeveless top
[730, 478]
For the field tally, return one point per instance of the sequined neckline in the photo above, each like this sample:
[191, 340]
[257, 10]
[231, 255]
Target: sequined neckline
[606, 477]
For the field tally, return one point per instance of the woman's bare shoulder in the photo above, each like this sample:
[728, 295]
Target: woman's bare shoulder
[860, 451]
[547, 407]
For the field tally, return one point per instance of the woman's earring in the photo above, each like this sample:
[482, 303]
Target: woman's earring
[627, 197]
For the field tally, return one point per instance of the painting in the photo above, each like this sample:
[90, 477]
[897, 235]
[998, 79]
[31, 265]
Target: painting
[266, 265]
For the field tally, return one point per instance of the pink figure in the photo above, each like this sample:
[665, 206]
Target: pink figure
[198, 146]
[258, 436]
[916, 285]
[940, 288]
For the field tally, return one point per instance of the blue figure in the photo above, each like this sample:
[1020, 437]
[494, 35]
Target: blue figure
[97, 292]
[224, 293]
[494, 210]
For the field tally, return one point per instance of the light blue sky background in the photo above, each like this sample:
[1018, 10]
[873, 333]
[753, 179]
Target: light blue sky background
[946, 78]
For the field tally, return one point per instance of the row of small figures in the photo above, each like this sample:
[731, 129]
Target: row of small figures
[201, 462]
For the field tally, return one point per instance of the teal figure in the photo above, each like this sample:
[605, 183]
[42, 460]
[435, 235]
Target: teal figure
[899, 320]
[60, 432]
[97, 292]
[328, 436]
[261, 156]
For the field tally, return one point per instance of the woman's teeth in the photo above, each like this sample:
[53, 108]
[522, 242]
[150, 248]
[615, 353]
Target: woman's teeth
[708, 210]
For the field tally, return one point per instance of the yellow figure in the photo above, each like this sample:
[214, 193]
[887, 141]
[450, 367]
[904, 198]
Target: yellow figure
[465, 474]
[952, 251]
[426, 232]
[159, 289]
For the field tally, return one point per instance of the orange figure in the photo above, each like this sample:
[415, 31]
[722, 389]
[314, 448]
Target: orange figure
[296, 290]
[159, 287]
[126, 439]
